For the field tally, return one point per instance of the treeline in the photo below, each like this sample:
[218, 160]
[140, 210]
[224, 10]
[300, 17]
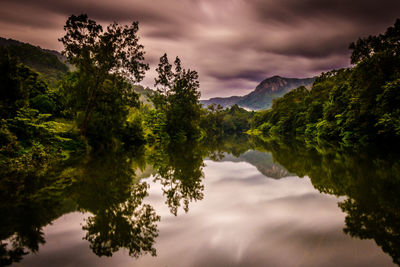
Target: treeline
[95, 106]
[219, 123]
[354, 105]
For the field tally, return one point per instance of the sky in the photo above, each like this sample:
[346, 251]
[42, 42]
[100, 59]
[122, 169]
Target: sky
[233, 44]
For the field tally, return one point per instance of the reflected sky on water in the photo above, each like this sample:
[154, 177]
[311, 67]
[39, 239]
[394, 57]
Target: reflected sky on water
[244, 219]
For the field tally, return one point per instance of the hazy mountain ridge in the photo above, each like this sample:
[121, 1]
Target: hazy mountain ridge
[11, 42]
[49, 63]
[263, 161]
[223, 101]
[263, 95]
[144, 94]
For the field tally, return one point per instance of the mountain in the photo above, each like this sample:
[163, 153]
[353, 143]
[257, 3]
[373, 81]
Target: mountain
[263, 161]
[144, 94]
[49, 63]
[263, 95]
[223, 101]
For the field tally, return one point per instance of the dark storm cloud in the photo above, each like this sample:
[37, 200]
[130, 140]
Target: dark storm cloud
[294, 11]
[321, 28]
[233, 44]
[102, 10]
[16, 15]
[250, 75]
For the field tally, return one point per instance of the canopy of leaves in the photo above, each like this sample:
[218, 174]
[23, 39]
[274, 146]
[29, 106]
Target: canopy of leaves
[99, 92]
[177, 96]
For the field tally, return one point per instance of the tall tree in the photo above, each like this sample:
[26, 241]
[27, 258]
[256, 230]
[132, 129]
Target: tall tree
[102, 57]
[178, 96]
[387, 43]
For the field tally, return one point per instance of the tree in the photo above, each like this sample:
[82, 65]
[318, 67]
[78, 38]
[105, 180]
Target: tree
[387, 43]
[102, 58]
[178, 96]
[21, 87]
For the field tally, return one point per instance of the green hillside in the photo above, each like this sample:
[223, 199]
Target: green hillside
[47, 62]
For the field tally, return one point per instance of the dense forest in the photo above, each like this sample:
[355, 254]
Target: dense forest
[48, 109]
[95, 106]
[357, 105]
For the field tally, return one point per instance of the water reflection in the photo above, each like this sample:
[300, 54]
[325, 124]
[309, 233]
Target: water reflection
[368, 178]
[31, 195]
[178, 168]
[109, 186]
[263, 161]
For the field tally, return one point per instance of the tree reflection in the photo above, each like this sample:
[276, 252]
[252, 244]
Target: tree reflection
[179, 171]
[32, 194]
[38, 189]
[108, 189]
[369, 178]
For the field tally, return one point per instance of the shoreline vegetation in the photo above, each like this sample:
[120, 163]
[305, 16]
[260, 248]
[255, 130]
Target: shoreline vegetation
[95, 106]
[357, 106]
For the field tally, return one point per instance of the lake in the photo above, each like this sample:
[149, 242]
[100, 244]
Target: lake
[235, 203]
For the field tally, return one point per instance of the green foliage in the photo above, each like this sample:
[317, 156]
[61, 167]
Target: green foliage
[178, 98]
[9, 144]
[211, 121]
[21, 87]
[218, 123]
[133, 130]
[98, 92]
[357, 105]
[236, 120]
[45, 62]
[155, 122]
[29, 109]
[387, 44]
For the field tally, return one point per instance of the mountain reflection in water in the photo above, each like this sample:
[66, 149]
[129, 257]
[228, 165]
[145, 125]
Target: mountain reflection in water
[195, 204]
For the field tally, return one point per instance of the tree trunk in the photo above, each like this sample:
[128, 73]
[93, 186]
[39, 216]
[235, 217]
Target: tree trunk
[86, 120]
[90, 106]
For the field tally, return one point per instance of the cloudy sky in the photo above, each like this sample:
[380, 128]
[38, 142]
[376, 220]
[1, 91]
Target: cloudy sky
[233, 44]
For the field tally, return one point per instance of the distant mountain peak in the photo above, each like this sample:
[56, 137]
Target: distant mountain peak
[263, 95]
[274, 77]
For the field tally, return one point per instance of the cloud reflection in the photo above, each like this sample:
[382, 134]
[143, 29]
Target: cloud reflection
[283, 222]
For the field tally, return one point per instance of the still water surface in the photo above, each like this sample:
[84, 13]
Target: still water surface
[238, 209]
